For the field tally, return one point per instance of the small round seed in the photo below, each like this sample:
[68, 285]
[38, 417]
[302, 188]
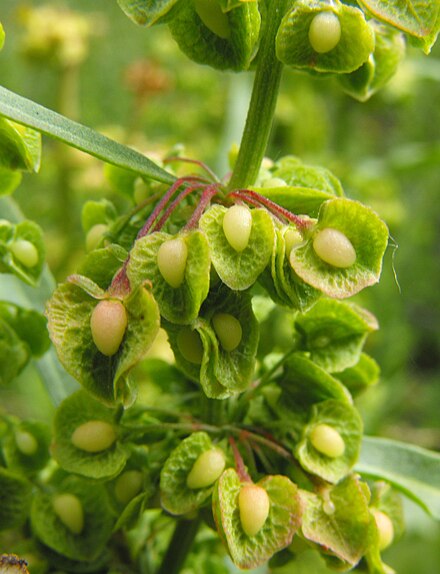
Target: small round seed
[237, 226]
[26, 443]
[385, 529]
[190, 345]
[69, 510]
[228, 330]
[207, 468]
[127, 485]
[108, 324]
[171, 260]
[25, 252]
[327, 440]
[333, 247]
[324, 32]
[94, 436]
[254, 506]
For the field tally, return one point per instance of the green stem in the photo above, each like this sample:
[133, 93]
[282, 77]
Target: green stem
[263, 101]
[179, 546]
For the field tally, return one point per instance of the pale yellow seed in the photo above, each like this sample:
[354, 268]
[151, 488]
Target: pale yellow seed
[327, 441]
[385, 529]
[190, 345]
[292, 238]
[69, 510]
[171, 260]
[254, 506]
[213, 17]
[108, 324]
[25, 252]
[207, 469]
[333, 247]
[26, 442]
[95, 235]
[237, 226]
[324, 32]
[128, 484]
[94, 436]
[228, 330]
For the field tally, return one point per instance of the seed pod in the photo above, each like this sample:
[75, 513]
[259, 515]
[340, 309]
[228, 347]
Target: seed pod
[254, 506]
[333, 247]
[228, 330]
[327, 441]
[94, 436]
[26, 443]
[108, 324]
[25, 252]
[324, 32]
[385, 528]
[207, 469]
[69, 510]
[213, 17]
[171, 260]
[190, 345]
[128, 484]
[94, 236]
[237, 226]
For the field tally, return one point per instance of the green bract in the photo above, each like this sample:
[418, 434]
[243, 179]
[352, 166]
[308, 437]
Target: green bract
[239, 269]
[22, 250]
[177, 496]
[367, 234]
[280, 280]
[200, 354]
[147, 12]
[295, 48]
[223, 40]
[248, 551]
[86, 543]
[346, 421]
[69, 312]
[339, 519]
[15, 497]
[389, 50]
[26, 447]
[362, 375]
[306, 186]
[419, 19]
[334, 332]
[92, 455]
[20, 147]
[181, 303]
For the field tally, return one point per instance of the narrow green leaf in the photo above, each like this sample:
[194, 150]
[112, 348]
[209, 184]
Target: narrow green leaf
[31, 114]
[418, 18]
[413, 470]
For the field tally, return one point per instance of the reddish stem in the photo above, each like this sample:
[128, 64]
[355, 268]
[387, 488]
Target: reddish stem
[239, 464]
[302, 223]
[174, 204]
[207, 169]
[162, 203]
[205, 199]
[120, 286]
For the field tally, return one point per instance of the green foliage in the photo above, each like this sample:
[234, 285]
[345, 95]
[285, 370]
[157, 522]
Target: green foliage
[248, 427]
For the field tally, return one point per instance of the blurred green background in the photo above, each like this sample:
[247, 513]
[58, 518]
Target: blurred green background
[136, 86]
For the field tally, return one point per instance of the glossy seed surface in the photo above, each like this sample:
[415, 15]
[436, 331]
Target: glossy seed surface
[171, 260]
[207, 468]
[94, 436]
[324, 32]
[228, 330]
[385, 529]
[254, 506]
[25, 252]
[237, 226]
[190, 345]
[108, 324]
[333, 247]
[327, 441]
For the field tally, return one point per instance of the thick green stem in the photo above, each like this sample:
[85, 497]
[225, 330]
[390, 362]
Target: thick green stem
[263, 101]
[179, 547]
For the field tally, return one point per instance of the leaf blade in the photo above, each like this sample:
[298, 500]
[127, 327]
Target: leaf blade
[48, 122]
